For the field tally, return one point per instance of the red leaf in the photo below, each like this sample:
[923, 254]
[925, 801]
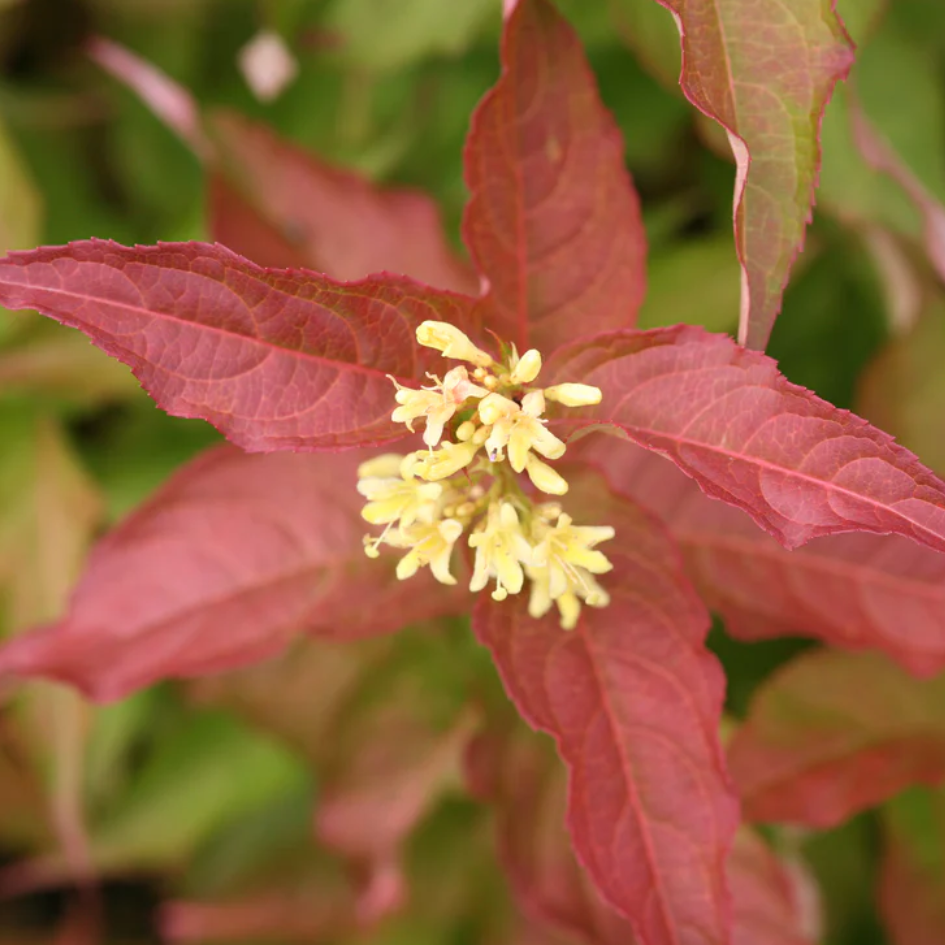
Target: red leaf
[854, 591]
[274, 359]
[553, 222]
[634, 702]
[234, 555]
[526, 785]
[833, 733]
[775, 904]
[235, 223]
[765, 71]
[725, 416]
[340, 223]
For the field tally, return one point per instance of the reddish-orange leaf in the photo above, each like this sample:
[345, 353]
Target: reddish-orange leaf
[633, 700]
[764, 69]
[337, 221]
[232, 557]
[833, 733]
[274, 359]
[799, 466]
[553, 222]
[854, 591]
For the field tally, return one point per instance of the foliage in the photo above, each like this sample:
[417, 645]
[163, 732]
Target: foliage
[216, 700]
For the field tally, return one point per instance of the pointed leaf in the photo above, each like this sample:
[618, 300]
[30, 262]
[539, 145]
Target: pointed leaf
[337, 221]
[46, 361]
[633, 700]
[854, 591]
[231, 558]
[774, 903]
[274, 359]
[553, 222]
[765, 70]
[300, 695]
[725, 416]
[48, 516]
[519, 775]
[911, 893]
[814, 750]
[903, 390]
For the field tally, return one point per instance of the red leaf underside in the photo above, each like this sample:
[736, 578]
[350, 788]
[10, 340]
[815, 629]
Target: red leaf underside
[815, 751]
[553, 223]
[765, 71]
[338, 222]
[274, 359]
[799, 466]
[232, 557]
[633, 701]
[855, 591]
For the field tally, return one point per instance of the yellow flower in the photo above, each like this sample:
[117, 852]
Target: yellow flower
[393, 492]
[429, 544]
[500, 548]
[450, 458]
[518, 428]
[435, 404]
[452, 342]
[562, 569]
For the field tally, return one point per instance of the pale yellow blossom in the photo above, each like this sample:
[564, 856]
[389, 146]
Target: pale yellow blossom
[574, 395]
[450, 458]
[518, 429]
[501, 547]
[525, 368]
[562, 569]
[435, 404]
[544, 477]
[429, 544]
[452, 342]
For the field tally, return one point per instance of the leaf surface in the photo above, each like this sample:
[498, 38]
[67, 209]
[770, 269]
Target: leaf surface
[518, 774]
[774, 903]
[338, 222]
[764, 69]
[799, 466]
[274, 359]
[553, 222]
[234, 555]
[903, 389]
[855, 591]
[833, 733]
[911, 893]
[633, 700]
[48, 515]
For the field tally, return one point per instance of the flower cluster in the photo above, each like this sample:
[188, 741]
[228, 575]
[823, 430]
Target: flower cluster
[467, 483]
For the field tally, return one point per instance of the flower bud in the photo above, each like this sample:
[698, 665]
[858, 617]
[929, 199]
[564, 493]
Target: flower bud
[574, 395]
[527, 368]
[385, 466]
[544, 477]
[449, 459]
[451, 342]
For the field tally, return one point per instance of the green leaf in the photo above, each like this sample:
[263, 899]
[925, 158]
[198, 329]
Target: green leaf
[209, 771]
[385, 36]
